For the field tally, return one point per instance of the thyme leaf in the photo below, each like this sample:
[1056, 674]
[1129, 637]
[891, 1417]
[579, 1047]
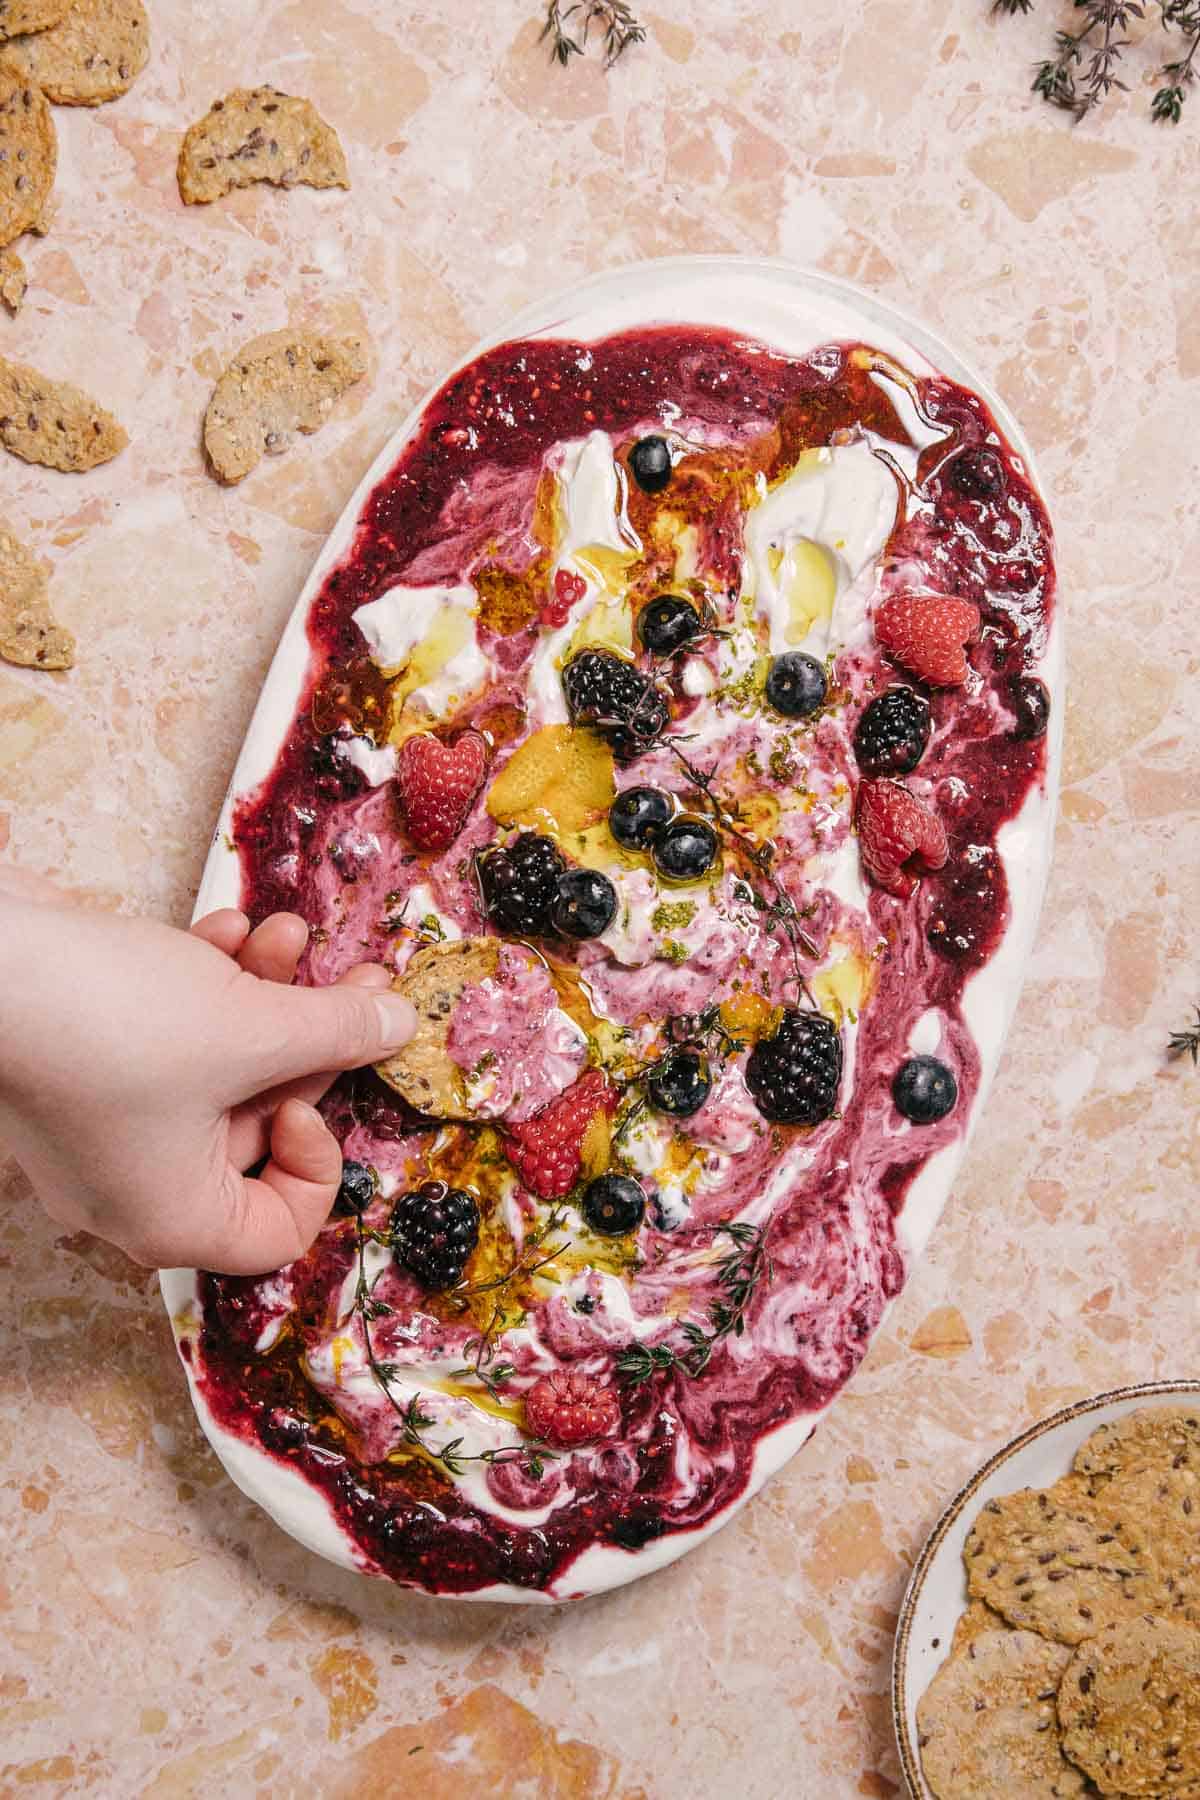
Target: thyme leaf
[739, 1275]
[618, 29]
[1186, 1043]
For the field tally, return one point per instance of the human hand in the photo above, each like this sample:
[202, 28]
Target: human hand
[143, 1070]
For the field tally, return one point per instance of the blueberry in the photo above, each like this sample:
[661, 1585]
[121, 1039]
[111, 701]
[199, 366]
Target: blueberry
[924, 1090]
[667, 624]
[586, 903]
[586, 1303]
[685, 849]
[1031, 703]
[357, 1190]
[637, 815]
[680, 1083]
[978, 473]
[650, 460]
[796, 685]
[614, 1204]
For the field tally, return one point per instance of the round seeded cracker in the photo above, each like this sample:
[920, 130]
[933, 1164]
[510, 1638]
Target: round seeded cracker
[94, 54]
[1060, 1561]
[1129, 1708]
[1165, 1502]
[986, 1724]
[28, 151]
[1154, 1436]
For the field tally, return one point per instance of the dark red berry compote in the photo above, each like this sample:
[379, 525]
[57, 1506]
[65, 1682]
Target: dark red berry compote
[594, 684]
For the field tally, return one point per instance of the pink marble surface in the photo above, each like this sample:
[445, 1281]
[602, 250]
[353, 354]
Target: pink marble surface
[157, 1636]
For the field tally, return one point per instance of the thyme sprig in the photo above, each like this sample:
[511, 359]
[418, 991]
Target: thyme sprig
[1186, 1043]
[1085, 66]
[612, 17]
[450, 1456]
[739, 1275]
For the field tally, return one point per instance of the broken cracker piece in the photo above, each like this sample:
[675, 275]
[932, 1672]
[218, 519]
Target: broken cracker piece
[28, 151]
[12, 280]
[95, 53]
[435, 980]
[53, 423]
[29, 634]
[17, 16]
[285, 382]
[259, 134]
[1152, 1437]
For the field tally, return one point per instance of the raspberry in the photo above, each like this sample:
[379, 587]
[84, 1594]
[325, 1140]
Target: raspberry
[793, 1076]
[606, 691]
[434, 1231]
[520, 884]
[891, 735]
[436, 783]
[894, 831]
[926, 634]
[549, 1150]
[567, 1408]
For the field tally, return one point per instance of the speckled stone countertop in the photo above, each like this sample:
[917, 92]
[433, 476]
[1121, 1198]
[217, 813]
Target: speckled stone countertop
[158, 1636]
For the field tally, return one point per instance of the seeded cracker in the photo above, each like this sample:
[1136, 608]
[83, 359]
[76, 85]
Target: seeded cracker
[285, 382]
[423, 1071]
[1154, 1436]
[259, 134]
[1061, 1562]
[986, 1723]
[29, 634]
[30, 15]
[28, 151]
[95, 54]
[53, 423]
[12, 280]
[1129, 1707]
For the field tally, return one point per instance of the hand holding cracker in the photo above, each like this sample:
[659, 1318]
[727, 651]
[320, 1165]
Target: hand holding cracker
[146, 1070]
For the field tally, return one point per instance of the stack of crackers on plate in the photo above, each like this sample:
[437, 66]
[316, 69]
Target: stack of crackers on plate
[1075, 1669]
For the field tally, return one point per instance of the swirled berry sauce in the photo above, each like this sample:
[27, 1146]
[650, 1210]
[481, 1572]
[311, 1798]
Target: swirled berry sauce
[469, 501]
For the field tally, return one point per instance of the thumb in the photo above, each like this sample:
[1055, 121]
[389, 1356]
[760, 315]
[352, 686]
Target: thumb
[291, 1032]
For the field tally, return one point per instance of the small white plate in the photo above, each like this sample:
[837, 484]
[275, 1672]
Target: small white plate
[937, 1588]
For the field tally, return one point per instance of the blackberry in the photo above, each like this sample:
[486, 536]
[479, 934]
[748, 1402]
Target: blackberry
[667, 624]
[614, 1204]
[796, 685]
[606, 691]
[638, 814]
[434, 1230]
[1030, 701]
[680, 1083]
[586, 904]
[650, 461]
[978, 473]
[891, 736]
[357, 1190]
[686, 849]
[924, 1090]
[520, 884]
[794, 1076]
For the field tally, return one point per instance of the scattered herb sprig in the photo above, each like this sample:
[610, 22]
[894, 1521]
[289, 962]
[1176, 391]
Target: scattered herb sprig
[570, 27]
[450, 1456]
[1085, 66]
[1186, 1043]
[739, 1276]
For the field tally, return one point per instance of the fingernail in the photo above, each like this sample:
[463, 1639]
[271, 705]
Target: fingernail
[397, 1018]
